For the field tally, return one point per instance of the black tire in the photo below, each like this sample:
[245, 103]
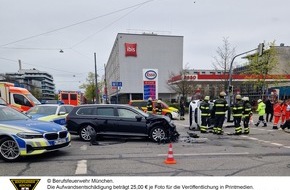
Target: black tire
[158, 134]
[169, 115]
[85, 132]
[9, 150]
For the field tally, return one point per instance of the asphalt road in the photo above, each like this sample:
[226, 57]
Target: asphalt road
[265, 152]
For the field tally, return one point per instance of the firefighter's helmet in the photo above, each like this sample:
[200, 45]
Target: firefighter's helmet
[206, 98]
[259, 100]
[158, 101]
[245, 98]
[238, 97]
[149, 99]
[222, 94]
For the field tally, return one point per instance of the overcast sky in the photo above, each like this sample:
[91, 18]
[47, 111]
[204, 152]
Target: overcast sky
[34, 31]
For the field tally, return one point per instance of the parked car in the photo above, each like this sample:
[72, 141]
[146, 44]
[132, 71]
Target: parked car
[50, 112]
[22, 136]
[171, 112]
[119, 120]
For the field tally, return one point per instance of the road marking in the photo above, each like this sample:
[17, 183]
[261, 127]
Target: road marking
[266, 142]
[84, 147]
[81, 167]
[208, 154]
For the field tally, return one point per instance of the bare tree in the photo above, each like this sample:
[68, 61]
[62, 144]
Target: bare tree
[180, 84]
[222, 61]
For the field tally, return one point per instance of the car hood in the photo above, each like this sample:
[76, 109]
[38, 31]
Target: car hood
[32, 125]
[158, 117]
[173, 109]
[36, 115]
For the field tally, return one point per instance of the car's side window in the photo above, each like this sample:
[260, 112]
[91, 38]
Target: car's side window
[86, 111]
[62, 109]
[126, 113]
[105, 111]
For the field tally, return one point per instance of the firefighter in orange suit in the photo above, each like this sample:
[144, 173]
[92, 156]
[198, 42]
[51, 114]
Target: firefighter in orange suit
[284, 107]
[277, 113]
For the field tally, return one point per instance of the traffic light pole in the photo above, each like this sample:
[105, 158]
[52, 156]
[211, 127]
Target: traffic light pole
[229, 100]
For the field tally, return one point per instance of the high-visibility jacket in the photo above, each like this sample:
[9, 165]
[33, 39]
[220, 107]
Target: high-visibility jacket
[220, 106]
[277, 109]
[284, 107]
[204, 108]
[261, 108]
[238, 109]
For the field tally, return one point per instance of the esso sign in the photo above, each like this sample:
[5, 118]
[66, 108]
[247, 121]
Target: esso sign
[150, 74]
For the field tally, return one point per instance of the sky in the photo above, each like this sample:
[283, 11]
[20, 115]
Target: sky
[34, 31]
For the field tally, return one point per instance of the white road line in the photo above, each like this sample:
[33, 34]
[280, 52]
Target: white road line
[84, 147]
[208, 154]
[81, 167]
[277, 144]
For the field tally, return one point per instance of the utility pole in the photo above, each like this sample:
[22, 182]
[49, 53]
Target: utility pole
[96, 78]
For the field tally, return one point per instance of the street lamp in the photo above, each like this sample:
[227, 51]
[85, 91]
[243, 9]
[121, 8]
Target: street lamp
[96, 78]
[230, 87]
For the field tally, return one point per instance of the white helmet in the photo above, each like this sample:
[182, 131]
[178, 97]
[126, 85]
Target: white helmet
[223, 94]
[259, 100]
[206, 98]
[238, 97]
[150, 99]
[158, 101]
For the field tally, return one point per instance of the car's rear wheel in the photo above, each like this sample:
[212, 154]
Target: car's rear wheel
[9, 150]
[86, 132]
[158, 134]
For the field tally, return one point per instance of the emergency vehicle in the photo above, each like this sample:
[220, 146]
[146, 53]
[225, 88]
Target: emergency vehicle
[70, 97]
[16, 97]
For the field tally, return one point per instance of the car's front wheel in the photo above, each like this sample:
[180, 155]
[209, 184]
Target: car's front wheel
[158, 134]
[9, 150]
[86, 132]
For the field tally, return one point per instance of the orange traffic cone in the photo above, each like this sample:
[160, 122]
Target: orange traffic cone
[170, 159]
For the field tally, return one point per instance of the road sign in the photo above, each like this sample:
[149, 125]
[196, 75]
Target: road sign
[119, 84]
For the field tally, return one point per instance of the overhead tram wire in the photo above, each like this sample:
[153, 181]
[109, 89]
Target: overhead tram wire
[108, 25]
[77, 23]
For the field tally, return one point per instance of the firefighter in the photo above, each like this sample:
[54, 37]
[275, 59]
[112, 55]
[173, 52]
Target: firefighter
[150, 106]
[205, 114]
[238, 108]
[219, 109]
[158, 107]
[261, 111]
[277, 113]
[284, 110]
[247, 113]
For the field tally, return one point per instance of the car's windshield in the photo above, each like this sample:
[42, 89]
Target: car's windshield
[9, 114]
[33, 99]
[2, 102]
[42, 110]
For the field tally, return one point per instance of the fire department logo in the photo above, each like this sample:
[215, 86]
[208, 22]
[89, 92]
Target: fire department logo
[131, 49]
[24, 184]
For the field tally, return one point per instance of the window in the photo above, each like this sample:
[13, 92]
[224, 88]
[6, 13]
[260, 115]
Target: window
[21, 100]
[105, 111]
[122, 112]
[73, 96]
[86, 111]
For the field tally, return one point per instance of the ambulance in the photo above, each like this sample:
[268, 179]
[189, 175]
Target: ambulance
[16, 97]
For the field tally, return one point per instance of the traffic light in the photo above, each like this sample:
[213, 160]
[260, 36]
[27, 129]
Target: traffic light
[260, 49]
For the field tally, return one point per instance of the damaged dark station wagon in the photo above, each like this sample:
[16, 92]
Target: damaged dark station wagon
[119, 120]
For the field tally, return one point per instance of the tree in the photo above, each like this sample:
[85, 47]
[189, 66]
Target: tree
[180, 84]
[90, 87]
[222, 61]
[260, 68]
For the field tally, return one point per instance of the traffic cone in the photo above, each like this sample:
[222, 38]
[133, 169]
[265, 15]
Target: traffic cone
[170, 159]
